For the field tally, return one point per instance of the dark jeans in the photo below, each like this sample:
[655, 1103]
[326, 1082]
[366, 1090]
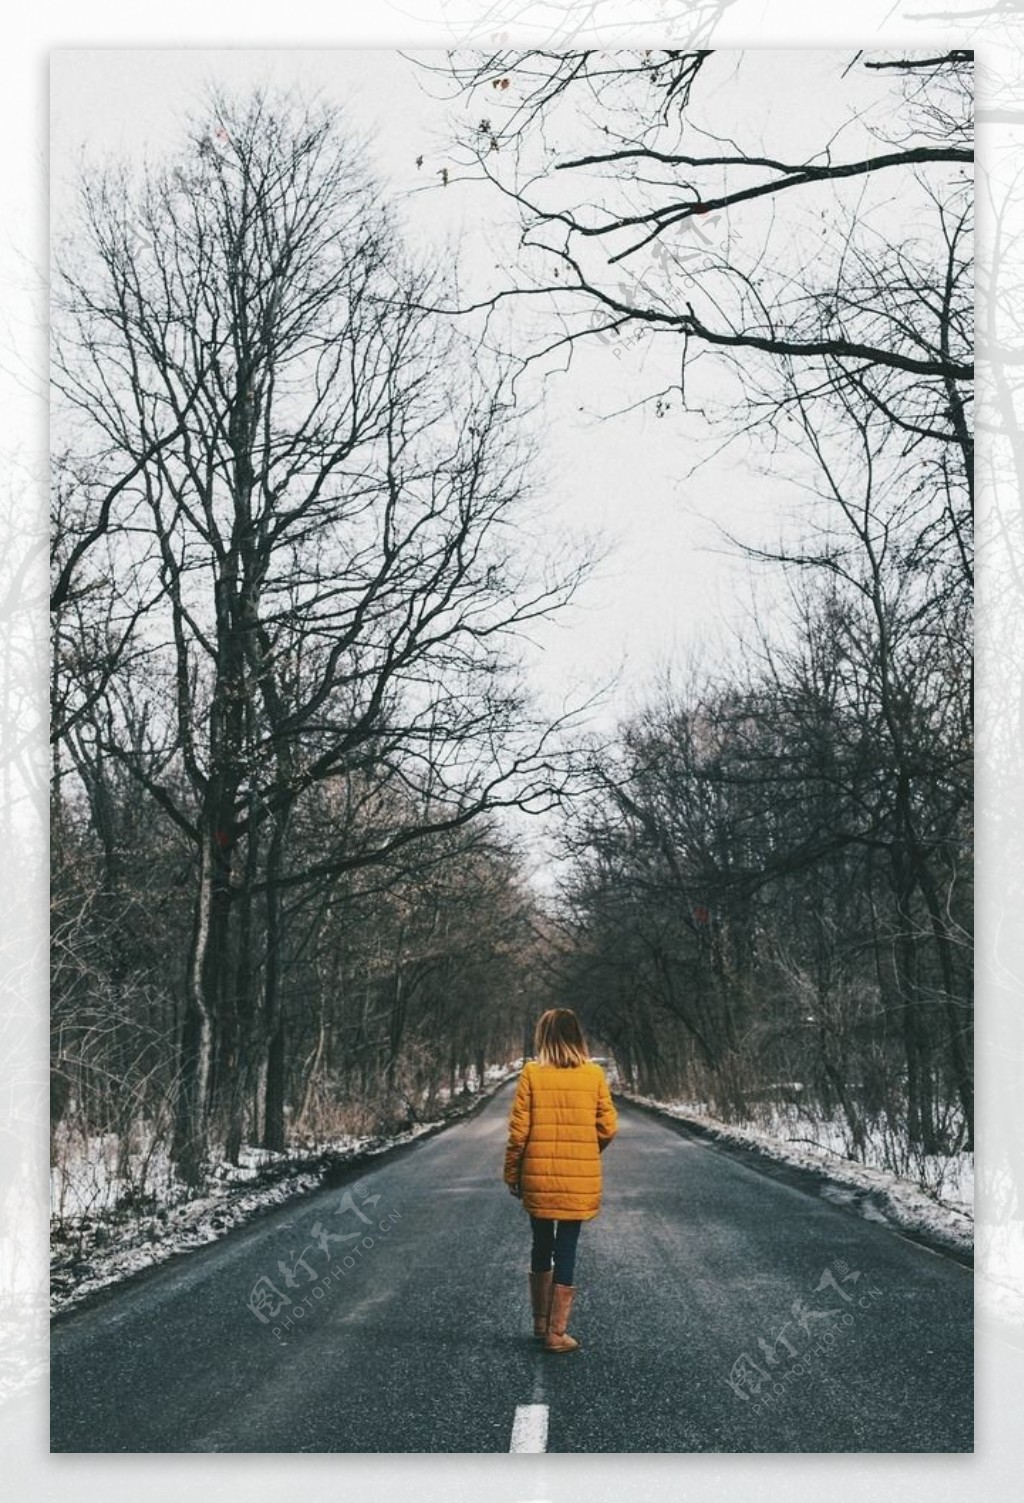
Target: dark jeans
[558, 1239]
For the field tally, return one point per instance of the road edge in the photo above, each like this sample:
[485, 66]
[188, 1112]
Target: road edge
[803, 1177]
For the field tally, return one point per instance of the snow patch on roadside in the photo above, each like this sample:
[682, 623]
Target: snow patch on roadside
[96, 1244]
[944, 1215]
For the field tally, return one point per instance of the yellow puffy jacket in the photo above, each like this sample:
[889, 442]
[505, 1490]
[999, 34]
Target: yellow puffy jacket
[560, 1121]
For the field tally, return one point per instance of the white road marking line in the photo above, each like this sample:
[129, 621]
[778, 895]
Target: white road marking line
[530, 1428]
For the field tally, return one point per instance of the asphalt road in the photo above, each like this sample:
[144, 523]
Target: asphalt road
[415, 1334]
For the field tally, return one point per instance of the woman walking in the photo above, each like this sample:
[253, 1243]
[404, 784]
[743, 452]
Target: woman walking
[562, 1120]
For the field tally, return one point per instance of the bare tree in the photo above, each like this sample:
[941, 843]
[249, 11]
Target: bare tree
[315, 484]
[601, 227]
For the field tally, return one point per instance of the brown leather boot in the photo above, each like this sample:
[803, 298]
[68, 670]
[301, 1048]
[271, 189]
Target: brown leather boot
[557, 1339]
[540, 1299]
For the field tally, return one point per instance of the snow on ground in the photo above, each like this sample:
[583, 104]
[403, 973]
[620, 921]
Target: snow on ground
[940, 1208]
[100, 1236]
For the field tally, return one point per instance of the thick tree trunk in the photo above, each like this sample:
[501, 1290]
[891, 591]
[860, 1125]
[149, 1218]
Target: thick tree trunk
[396, 1019]
[195, 1052]
[274, 1136]
[239, 1045]
[209, 967]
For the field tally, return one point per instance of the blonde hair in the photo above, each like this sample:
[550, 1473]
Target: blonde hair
[558, 1039]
